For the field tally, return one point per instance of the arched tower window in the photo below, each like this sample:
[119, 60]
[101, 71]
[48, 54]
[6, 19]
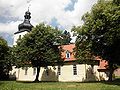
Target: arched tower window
[19, 36]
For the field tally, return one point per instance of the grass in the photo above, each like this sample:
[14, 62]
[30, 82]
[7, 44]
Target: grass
[13, 85]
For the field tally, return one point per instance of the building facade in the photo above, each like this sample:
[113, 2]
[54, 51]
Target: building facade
[70, 71]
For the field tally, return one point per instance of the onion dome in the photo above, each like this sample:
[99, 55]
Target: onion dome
[26, 25]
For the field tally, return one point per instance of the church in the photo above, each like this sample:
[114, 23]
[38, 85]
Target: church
[71, 71]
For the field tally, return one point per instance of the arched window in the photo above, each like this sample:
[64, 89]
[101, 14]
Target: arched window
[67, 54]
[19, 36]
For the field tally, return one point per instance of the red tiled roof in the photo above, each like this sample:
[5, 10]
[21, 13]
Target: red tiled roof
[102, 64]
[70, 48]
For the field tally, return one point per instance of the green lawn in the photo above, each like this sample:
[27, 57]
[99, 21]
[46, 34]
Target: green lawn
[13, 85]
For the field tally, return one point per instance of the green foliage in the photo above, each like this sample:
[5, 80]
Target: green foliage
[37, 47]
[64, 38]
[3, 48]
[117, 2]
[3, 58]
[13, 85]
[100, 33]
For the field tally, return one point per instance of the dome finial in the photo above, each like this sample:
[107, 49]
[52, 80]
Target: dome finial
[27, 14]
[29, 7]
[26, 25]
[28, 2]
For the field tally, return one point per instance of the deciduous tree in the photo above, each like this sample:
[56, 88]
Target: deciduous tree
[100, 34]
[3, 59]
[38, 48]
[64, 38]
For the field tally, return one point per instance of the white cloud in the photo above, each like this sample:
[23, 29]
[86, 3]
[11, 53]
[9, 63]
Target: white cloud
[43, 11]
[71, 18]
[9, 27]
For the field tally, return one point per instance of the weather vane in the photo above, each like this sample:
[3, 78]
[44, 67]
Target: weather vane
[28, 2]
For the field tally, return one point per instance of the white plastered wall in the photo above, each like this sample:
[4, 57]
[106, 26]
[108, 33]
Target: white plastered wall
[22, 77]
[16, 36]
[83, 74]
[67, 73]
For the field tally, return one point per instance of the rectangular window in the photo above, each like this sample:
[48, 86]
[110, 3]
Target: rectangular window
[74, 70]
[26, 69]
[59, 70]
[34, 71]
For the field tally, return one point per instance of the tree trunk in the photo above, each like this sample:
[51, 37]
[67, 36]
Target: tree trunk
[37, 75]
[110, 71]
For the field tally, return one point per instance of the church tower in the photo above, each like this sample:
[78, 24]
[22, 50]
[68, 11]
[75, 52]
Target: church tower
[24, 27]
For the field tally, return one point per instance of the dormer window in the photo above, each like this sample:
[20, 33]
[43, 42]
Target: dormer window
[67, 54]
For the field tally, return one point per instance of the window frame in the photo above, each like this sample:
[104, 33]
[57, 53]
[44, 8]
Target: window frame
[59, 70]
[67, 54]
[26, 70]
[74, 69]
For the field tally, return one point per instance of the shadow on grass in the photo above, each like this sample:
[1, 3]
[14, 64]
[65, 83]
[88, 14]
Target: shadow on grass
[37, 81]
[114, 82]
[1, 82]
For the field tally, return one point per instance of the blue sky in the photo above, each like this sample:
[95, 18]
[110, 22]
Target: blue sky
[70, 6]
[61, 13]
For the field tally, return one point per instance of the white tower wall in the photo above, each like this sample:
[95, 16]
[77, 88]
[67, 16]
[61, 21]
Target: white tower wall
[16, 36]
